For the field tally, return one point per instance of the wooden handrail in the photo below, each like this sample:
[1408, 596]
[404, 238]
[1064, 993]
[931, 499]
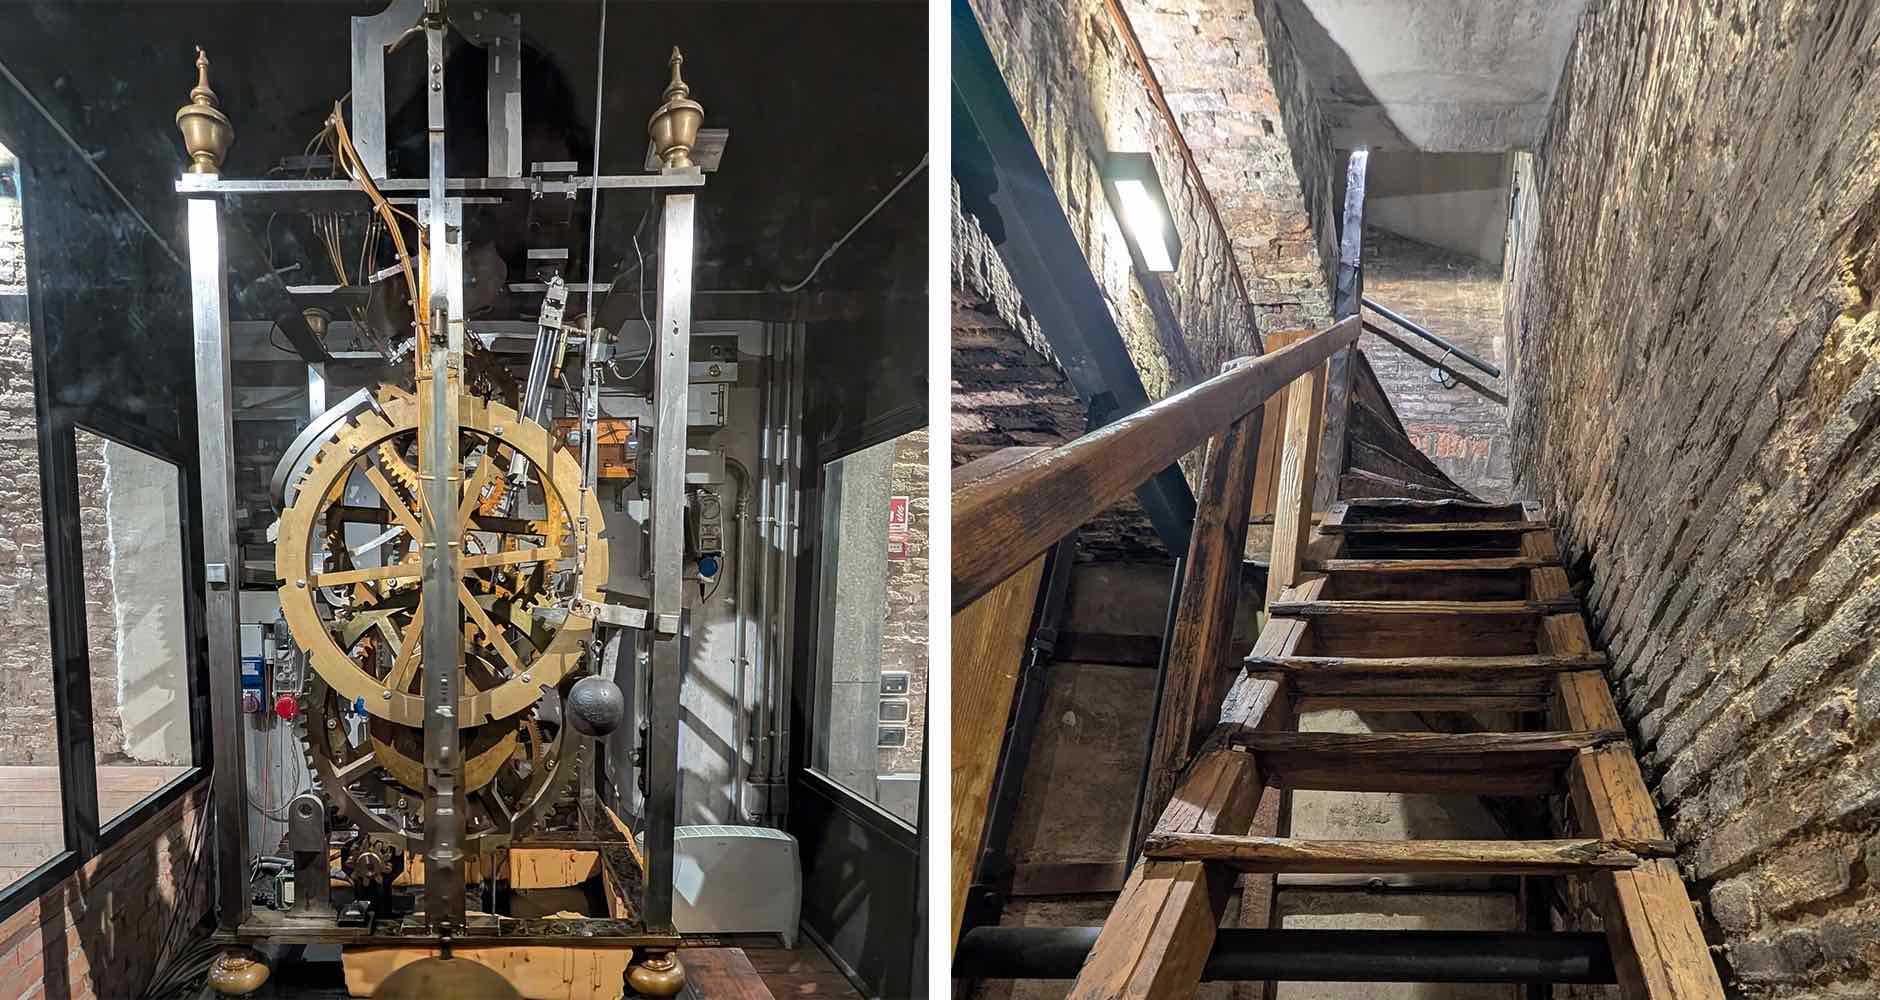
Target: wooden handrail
[1004, 521]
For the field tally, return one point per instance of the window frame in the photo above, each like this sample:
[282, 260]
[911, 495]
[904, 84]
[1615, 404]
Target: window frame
[56, 424]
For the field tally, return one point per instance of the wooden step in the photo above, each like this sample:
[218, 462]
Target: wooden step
[1432, 528]
[1422, 628]
[1287, 856]
[1419, 566]
[1467, 763]
[1424, 683]
[1486, 579]
[1422, 609]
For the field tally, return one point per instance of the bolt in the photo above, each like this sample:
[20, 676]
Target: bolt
[302, 584]
[386, 694]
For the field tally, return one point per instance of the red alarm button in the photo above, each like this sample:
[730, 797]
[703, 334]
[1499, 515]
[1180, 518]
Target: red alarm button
[287, 706]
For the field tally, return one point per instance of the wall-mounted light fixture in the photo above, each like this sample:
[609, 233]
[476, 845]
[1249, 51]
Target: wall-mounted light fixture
[1136, 193]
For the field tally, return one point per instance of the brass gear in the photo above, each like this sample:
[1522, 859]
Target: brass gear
[379, 783]
[511, 574]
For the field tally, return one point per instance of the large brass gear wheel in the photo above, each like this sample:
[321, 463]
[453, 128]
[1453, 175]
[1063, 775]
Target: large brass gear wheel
[514, 772]
[513, 567]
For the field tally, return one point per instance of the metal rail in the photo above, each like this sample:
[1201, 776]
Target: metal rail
[1007, 519]
[1410, 349]
[1404, 322]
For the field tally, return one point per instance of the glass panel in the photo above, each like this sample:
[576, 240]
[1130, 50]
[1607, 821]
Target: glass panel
[872, 670]
[130, 524]
[32, 829]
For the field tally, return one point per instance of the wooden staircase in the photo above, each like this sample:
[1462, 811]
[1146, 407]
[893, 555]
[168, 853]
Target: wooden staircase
[1427, 606]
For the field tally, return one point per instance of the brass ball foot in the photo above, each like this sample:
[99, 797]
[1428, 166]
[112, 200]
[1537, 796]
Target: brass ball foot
[238, 972]
[657, 976]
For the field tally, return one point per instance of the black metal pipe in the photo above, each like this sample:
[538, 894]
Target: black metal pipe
[1404, 322]
[1330, 956]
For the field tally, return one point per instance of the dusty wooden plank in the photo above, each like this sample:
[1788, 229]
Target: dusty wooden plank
[1431, 609]
[1392, 857]
[1431, 528]
[541, 972]
[988, 646]
[1006, 519]
[1421, 566]
[1520, 764]
[1547, 664]
[722, 974]
[1199, 645]
[1468, 704]
[1292, 512]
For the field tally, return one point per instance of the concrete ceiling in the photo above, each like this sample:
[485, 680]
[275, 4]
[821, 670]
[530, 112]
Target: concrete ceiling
[1438, 75]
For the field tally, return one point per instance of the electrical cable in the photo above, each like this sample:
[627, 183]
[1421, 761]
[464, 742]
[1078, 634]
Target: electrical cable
[837, 245]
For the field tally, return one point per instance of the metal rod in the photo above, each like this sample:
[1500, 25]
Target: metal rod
[1410, 349]
[1341, 956]
[1404, 322]
[215, 411]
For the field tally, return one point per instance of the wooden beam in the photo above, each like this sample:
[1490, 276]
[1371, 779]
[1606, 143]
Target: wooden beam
[1292, 515]
[1392, 857]
[1272, 433]
[988, 651]
[1005, 520]
[1201, 636]
[1657, 946]
[1432, 667]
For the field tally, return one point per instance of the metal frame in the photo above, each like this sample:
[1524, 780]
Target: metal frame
[56, 423]
[210, 199]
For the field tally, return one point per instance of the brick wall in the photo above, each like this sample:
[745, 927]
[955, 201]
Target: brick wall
[1081, 95]
[1230, 75]
[1695, 400]
[1457, 297]
[28, 731]
[904, 637]
[1008, 391]
[100, 932]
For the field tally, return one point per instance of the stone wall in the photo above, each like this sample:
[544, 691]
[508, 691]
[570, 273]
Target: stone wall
[1698, 368]
[1457, 297]
[1080, 95]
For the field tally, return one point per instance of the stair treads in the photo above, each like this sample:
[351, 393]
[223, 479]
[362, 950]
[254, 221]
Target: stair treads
[1429, 528]
[1365, 510]
[1414, 566]
[1473, 763]
[1421, 628]
[1436, 585]
[1430, 679]
[1278, 855]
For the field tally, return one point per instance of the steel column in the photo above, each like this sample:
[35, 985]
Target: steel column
[440, 471]
[672, 350]
[221, 550]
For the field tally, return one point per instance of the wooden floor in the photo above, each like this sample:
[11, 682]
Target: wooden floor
[803, 971]
[31, 828]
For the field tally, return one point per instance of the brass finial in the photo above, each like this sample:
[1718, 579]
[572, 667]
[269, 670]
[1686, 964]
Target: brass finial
[206, 130]
[674, 127]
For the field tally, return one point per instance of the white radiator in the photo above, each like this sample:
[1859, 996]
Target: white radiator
[736, 880]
